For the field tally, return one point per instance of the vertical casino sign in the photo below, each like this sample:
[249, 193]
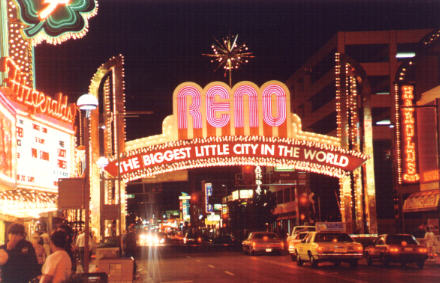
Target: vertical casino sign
[406, 135]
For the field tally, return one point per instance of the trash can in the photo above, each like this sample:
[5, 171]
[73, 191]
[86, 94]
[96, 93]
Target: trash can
[117, 269]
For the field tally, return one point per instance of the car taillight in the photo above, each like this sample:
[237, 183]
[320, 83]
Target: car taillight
[282, 245]
[394, 250]
[199, 239]
[320, 249]
[422, 250]
[254, 244]
[359, 248]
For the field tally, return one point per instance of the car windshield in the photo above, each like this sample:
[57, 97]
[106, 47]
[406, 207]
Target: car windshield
[302, 236]
[332, 237]
[263, 235]
[398, 239]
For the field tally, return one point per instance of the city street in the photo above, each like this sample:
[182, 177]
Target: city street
[173, 264]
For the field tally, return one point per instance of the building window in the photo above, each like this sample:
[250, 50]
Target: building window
[380, 85]
[286, 195]
[366, 53]
[405, 51]
[279, 196]
[321, 68]
[380, 116]
[325, 125]
[323, 97]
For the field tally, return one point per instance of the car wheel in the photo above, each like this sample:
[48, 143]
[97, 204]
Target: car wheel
[369, 260]
[421, 264]
[354, 263]
[293, 256]
[403, 264]
[251, 252]
[299, 261]
[313, 261]
[385, 261]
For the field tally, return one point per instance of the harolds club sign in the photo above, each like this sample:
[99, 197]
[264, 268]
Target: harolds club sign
[245, 125]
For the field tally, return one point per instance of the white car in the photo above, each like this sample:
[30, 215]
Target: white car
[330, 246]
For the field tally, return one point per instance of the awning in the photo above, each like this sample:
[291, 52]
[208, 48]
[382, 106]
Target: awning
[422, 201]
[23, 203]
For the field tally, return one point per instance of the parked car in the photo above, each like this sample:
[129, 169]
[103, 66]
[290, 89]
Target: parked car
[196, 239]
[225, 240]
[366, 240]
[402, 248]
[263, 242]
[299, 229]
[292, 242]
[330, 246]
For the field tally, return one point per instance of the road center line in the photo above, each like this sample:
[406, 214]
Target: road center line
[320, 272]
[229, 273]
[211, 266]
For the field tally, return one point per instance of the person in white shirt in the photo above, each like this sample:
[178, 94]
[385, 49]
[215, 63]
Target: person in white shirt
[80, 244]
[58, 266]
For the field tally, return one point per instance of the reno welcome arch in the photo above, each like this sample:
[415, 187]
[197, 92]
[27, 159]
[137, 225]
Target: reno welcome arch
[222, 126]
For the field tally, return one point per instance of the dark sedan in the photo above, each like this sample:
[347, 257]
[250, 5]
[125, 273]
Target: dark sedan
[401, 248]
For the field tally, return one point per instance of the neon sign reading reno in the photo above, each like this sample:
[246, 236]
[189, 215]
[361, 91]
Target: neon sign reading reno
[245, 109]
[408, 129]
[38, 101]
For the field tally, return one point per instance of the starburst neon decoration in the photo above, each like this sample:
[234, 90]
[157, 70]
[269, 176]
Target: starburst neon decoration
[229, 55]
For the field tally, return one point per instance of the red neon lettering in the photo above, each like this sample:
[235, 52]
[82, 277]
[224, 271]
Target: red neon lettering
[62, 164]
[40, 102]
[408, 125]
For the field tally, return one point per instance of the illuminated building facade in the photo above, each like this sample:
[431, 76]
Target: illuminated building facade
[346, 90]
[37, 135]
[38, 147]
[417, 92]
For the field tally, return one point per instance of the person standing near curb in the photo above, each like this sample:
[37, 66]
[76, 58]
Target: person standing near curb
[20, 264]
[58, 266]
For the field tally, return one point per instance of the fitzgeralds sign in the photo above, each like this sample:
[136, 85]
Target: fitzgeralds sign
[55, 21]
[222, 126]
[36, 100]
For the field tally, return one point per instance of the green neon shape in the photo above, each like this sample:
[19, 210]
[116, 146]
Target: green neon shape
[65, 20]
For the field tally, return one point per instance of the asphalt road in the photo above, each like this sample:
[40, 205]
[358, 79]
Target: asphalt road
[178, 265]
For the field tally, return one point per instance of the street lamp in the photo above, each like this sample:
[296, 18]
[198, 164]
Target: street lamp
[86, 103]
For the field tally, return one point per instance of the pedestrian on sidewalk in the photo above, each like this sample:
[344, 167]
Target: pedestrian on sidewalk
[69, 246]
[130, 245]
[37, 243]
[18, 257]
[58, 266]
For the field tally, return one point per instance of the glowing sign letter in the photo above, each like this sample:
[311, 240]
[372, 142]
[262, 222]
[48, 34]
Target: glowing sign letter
[281, 103]
[194, 108]
[213, 107]
[240, 92]
[408, 124]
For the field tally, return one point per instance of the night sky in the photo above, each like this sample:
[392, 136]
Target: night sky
[163, 40]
